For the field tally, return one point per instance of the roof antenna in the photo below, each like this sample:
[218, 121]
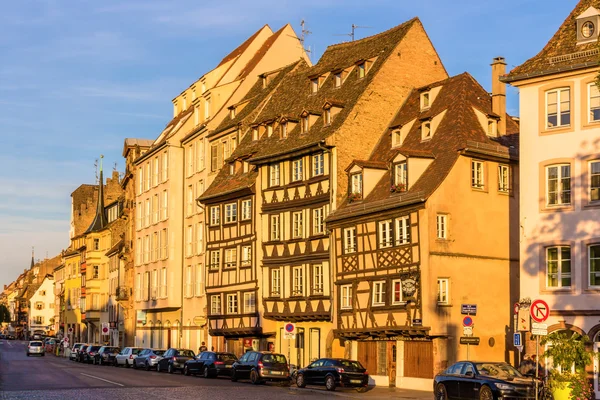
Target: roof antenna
[354, 27]
[302, 39]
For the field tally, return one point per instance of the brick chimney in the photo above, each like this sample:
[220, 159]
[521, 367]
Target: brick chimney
[499, 92]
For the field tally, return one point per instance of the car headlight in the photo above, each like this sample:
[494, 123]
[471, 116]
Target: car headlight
[505, 386]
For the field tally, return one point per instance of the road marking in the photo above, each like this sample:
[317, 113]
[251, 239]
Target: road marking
[102, 379]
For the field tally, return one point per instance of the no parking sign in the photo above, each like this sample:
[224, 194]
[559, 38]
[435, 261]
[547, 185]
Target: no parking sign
[289, 331]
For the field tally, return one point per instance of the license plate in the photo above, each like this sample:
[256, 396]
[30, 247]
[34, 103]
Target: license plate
[277, 372]
[355, 381]
[228, 366]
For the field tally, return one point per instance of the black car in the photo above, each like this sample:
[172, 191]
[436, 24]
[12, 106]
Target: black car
[482, 381]
[174, 359]
[260, 366]
[106, 355]
[87, 355]
[333, 372]
[210, 364]
[80, 356]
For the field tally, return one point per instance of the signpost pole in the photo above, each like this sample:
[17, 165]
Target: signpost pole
[537, 360]
[468, 345]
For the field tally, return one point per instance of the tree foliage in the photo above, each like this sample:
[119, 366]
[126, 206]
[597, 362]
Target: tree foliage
[4, 314]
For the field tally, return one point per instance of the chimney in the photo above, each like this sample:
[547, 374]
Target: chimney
[499, 92]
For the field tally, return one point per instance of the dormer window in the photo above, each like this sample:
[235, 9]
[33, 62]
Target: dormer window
[232, 112]
[231, 169]
[400, 183]
[587, 29]
[203, 87]
[269, 130]
[284, 129]
[587, 26]
[356, 186]
[255, 133]
[337, 79]
[314, 85]
[396, 137]
[425, 101]
[492, 128]
[245, 166]
[426, 130]
[327, 117]
[304, 124]
[184, 103]
[362, 69]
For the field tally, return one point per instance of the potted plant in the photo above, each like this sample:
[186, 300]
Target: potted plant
[398, 187]
[355, 196]
[570, 357]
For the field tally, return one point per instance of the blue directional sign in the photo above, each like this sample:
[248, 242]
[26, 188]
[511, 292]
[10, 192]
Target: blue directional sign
[517, 339]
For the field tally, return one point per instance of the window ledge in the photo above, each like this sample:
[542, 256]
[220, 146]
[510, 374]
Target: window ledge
[444, 305]
[558, 208]
[592, 204]
[557, 291]
[558, 129]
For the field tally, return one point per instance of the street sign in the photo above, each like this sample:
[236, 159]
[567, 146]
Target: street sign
[539, 310]
[289, 331]
[467, 321]
[70, 330]
[467, 330]
[469, 340]
[417, 322]
[539, 329]
[468, 309]
[105, 329]
[523, 320]
[517, 339]
[66, 339]
[517, 306]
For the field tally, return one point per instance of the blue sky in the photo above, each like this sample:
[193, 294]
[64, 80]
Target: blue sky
[78, 77]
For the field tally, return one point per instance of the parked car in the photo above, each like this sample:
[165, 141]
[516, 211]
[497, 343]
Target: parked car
[126, 356]
[90, 353]
[75, 350]
[11, 337]
[37, 337]
[260, 366]
[81, 353]
[333, 372]
[148, 358]
[50, 345]
[174, 359]
[210, 364]
[35, 347]
[2, 336]
[105, 355]
[482, 380]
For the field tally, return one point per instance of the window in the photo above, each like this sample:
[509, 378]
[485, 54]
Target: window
[214, 157]
[230, 213]
[337, 79]
[275, 282]
[249, 303]
[199, 237]
[594, 103]
[492, 128]
[558, 185]
[361, 70]
[426, 130]
[189, 241]
[246, 210]
[200, 155]
[207, 109]
[314, 85]
[386, 234]
[95, 272]
[594, 265]
[232, 303]
[230, 258]
[189, 155]
[350, 240]
[402, 230]
[443, 291]
[189, 286]
[96, 244]
[246, 256]
[165, 167]
[297, 281]
[274, 175]
[155, 207]
[503, 178]
[140, 180]
[477, 174]
[442, 226]
[425, 101]
[198, 288]
[304, 124]
[558, 267]
[346, 297]
[400, 177]
[318, 164]
[275, 227]
[558, 108]
[255, 133]
[379, 293]
[215, 304]
[317, 283]
[284, 129]
[594, 180]
[215, 259]
[145, 289]
[154, 248]
[397, 292]
[297, 170]
[163, 206]
[214, 215]
[298, 224]
[190, 201]
[154, 286]
[318, 221]
[164, 244]
[327, 117]
[356, 184]
[138, 287]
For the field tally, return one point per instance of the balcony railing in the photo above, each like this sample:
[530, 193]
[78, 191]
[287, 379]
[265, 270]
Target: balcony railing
[123, 293]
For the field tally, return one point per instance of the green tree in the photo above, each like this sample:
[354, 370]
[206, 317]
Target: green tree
[4, 314]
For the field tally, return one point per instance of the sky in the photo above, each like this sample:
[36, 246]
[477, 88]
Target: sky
[78, 77]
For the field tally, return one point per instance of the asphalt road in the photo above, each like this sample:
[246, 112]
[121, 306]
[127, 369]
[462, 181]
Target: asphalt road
[51, 377]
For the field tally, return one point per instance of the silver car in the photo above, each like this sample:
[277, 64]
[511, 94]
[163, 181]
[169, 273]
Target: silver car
[148, 358]
[75, 351]
[126, 356]
[36, 347]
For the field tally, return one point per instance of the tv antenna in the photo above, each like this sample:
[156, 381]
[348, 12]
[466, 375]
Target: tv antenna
[354, 28]
[304, 32]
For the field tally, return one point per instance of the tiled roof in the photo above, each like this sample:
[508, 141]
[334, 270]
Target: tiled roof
[562, 51]
[368, 164]
[458, 129]
[260, 53]
[241, 48]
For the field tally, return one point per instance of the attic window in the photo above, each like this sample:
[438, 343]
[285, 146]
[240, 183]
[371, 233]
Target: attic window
[314, 85]
[264, 81]
[425, 101]
[203, 87]
[231, 168]
[327, 117]
[269, 130]
[254, 133]
[337, 82]
[426, 130]
[492, 128]
[356, 184]
[184, 103]
[245, 166]
[362, 69]
[232, 112]
[284, 128]
[304, 124]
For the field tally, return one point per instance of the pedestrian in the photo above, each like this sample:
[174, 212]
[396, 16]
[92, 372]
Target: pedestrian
[536, 364]
[527, 365]
[202, 348]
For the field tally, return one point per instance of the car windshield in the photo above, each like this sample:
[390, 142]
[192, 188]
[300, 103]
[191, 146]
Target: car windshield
[136, 351]
[350, 365]
[113, 349]
[227, 357]
[274, 358]
[158, 352]
[497, 370]
[93, 348]
[185, 353]
[35, 343]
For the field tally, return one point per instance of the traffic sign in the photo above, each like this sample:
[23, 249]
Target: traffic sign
[517, 339]
[468, 309]
[539, 329]
[469, 340]
[539, 310]
[66, 339]
[523, 320]
[70, 330]
[467, 330]
[105, 329]
[467, 321]
[517, 306]
[289, 331]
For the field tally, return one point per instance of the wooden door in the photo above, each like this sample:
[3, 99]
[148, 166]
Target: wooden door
[367, 356]
[418, 359]
[391, 361]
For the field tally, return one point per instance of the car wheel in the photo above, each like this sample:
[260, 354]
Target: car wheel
[206, 373]
[147, 366]
[127, 364]
[440, 392]
[115, 363]
[134, 364]
[43, 354]
[170, 368]
[486, 393]
[233, 376]
[27, 354]
[186, 370]
[254, 377]
[158, 367]
[100, 361]
[361, 389]
[94, 360]
[330, 383]
[300, 381]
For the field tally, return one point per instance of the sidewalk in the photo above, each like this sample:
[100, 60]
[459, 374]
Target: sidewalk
[373, 393]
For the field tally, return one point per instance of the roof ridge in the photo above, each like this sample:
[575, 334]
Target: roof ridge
[377, 35]
[240, 49]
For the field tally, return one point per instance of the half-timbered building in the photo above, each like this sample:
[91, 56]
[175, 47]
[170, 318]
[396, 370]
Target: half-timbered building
[429, 222]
